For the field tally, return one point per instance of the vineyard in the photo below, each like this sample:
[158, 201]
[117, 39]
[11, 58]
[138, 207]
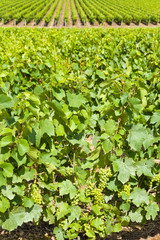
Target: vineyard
[60, 13]
[79, 128]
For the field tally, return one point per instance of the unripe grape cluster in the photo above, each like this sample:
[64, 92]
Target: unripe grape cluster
[156, 179]
[68, 172]
[104, 175]
[89, 188]
[75, 201]
[96, 193]
[126, 189]
[98, 196]
[36, 194]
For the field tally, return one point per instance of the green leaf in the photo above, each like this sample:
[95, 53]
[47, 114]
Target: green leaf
[23, 146]
[8, 192]
[82, 197]
[16, 218]
[100, 74]
[124, 98]
[60, 130]
[136, 136]
[139, 196]
[9, 224]
[19, 159]
[33, 214]
[5, 102]
[47, 127]
[59, 94]
[90, 234]
[63, 210]
[97, 223]
[95, 154]
[125, 206]
[47, 158]
[89, 72]
[149, 141]
[110, 127]
[155, 118]
[96, 209]
[136, 215]
[75, 100]
[2, 179]
[126, 169]
[66, 187]
[117, 227]
[144, 167]
[38, 90]
[152, 211]
[28, 202]
[58, 233]
[107, 145]
[33, 153]
[75, 213]
[109, 227]
[7, 169]
[28, 174]
[129, 70]
[136, 103]
[4, 204]
[4, 74]
[6, 141]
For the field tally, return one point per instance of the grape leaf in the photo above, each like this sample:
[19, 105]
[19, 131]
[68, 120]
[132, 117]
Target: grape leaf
[139, 196]
[152, 210]
[136, 136]
[66, 187]
[75, 100]
[23, 146]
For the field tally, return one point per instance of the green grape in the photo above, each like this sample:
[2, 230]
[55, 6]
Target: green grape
[126, 189]
[104, 175]
[35, 193]
[98, 196]
[89, 188]
[156, 179]
[86, 227]
[151, 183]
[75, 201]
[68, 172]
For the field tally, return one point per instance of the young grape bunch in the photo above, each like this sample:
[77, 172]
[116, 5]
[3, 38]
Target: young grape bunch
[155, 179]
[68, 171]
[98, 196]
[89, 188]
[75, 201]
[104, 175]
[36, 194]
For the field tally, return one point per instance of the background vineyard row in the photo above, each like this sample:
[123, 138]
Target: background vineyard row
[78, 12]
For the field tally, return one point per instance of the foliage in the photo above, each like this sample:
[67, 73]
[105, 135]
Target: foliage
[79, 129]
[126, 11]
